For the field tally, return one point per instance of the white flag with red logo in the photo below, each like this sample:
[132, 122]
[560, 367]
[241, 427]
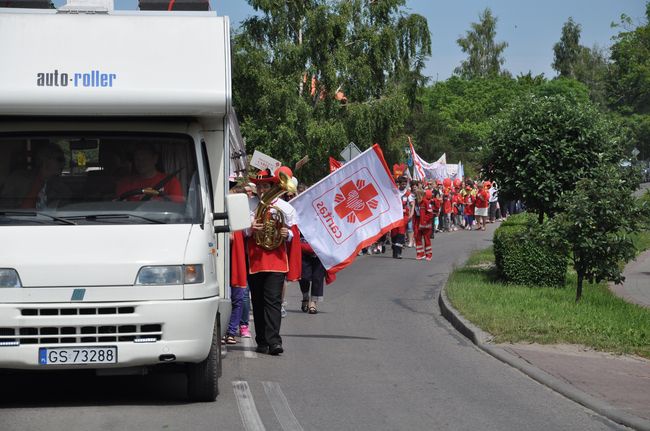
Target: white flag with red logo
[349, 209]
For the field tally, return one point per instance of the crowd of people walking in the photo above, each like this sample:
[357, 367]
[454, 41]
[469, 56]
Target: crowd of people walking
[260, 273]
[435, 206]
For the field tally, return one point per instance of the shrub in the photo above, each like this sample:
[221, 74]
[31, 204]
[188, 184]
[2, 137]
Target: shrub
[522, 257]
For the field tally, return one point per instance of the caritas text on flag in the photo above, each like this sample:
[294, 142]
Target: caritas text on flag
[349, 209]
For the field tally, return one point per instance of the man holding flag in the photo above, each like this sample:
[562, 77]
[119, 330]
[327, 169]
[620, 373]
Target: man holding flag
[349, 209]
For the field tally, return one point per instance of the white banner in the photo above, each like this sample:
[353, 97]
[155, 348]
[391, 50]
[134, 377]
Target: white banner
[438, 170]
[349, 209]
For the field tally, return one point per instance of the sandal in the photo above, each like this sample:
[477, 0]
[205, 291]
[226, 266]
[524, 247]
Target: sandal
[313, 310]
[304, 305]
[229, 339]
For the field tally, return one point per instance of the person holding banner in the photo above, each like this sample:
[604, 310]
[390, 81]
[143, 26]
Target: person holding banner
[268, 268]
[398, 235]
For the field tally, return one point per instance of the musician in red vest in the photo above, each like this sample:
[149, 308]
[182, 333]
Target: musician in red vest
[269, 268]
[398, 235]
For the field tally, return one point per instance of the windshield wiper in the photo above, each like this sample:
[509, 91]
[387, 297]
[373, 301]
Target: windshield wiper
[93, 217]
[34, 214]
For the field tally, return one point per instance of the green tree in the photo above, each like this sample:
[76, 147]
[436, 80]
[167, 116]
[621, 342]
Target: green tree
[310, 76]
[572, 89]
[628, 81]
[456, 113]
[542, 146]
[567, 50]
[591, 69]
[595, 221]
[484, 53]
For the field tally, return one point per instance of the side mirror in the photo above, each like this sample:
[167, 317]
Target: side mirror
[237, 213]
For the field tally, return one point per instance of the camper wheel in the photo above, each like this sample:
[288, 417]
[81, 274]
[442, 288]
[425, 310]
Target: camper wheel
[203, 378]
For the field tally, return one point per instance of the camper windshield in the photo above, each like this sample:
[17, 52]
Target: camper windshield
[86, 178]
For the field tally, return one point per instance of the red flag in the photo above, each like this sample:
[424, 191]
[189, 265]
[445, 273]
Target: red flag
[334, 164]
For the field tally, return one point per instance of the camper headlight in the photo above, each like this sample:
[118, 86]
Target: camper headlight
[170, 274]
[9, 278]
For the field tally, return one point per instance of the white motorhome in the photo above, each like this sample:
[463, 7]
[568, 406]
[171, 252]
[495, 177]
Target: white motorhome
[113, 189]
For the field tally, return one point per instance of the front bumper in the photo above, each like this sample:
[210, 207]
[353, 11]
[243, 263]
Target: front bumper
[182, 328]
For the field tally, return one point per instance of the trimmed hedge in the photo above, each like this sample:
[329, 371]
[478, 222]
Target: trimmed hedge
[522, 257]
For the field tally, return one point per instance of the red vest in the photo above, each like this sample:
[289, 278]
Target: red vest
[426, 214]
[286, 258]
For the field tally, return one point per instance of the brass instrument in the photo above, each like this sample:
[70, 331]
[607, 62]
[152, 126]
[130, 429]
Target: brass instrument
[272, 217]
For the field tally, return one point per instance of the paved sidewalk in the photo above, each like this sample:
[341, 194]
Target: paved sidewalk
[617, 387]
[636, 287]
[620, 381]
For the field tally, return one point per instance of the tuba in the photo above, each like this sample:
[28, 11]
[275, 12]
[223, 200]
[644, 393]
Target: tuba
[272, 217]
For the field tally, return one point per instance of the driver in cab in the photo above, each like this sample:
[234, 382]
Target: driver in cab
[147, 182]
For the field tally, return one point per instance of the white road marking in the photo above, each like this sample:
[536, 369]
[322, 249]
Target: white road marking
[248, 346]
[247, 410]
[281, 407]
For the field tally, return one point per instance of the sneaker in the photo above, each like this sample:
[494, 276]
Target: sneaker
[229, 339]
[283, 312]
[244, 331]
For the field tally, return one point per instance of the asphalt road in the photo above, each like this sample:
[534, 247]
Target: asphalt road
[377, 357]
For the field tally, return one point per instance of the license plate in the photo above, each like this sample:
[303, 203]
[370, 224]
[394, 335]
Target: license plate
[77, 355]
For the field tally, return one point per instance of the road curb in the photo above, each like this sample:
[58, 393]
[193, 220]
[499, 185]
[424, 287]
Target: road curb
[480, 338]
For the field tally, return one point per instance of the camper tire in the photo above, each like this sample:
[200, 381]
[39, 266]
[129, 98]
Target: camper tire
[203, 377]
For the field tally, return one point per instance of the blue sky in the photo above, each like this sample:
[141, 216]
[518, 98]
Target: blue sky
[529, 27]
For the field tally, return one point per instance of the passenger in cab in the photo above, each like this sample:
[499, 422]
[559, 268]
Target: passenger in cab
[147, 182]
[41, 187]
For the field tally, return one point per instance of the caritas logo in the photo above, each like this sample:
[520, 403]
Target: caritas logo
[356, 201]
[350, 205]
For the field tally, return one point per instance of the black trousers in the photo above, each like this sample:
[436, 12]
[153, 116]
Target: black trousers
[266, 298]
[313, 275]
[398, 243]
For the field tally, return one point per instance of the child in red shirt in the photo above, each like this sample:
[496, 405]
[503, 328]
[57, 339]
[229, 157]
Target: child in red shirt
[425, 227]
[482, 204]
[469, 208]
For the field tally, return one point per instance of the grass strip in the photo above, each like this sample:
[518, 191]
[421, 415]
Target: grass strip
[519, 313]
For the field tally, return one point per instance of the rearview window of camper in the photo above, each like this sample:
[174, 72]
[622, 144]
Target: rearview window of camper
[98, 179]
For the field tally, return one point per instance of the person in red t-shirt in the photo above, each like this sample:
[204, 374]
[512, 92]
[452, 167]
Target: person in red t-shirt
[148, 182]
[425, 227]
[446, 211]
[468, 208]
[482, 204]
